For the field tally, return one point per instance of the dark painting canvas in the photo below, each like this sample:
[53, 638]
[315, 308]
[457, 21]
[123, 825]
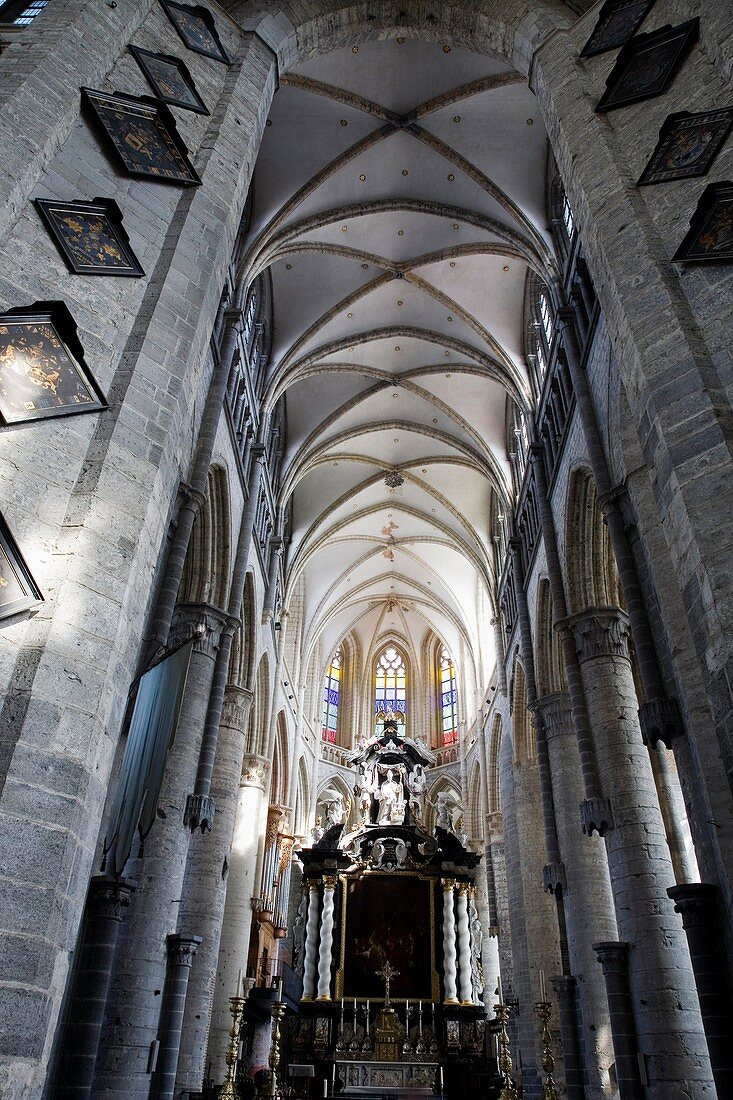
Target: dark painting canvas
[647, 64]
[710, 239]
[388, 920]
[90, 237]
[618, 21]
[197, 28]
[687, 145]
[170, 80]
[142, 135]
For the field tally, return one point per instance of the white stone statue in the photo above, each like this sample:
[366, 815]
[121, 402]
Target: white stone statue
[391, 801]
[333, 805]
[417, 783]
[364, 791]
[449, 814]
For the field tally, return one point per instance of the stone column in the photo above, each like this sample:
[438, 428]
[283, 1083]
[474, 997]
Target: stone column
[181, 950]
[237, 919]
[500, 925]
[564, 986]
[204, 892]
[324, 954]
[450, 992]
[464, 945]
[665, 1007]
[588, 899]
[697, 903]
[613, 957]
[107, 901]
[135, 1002]
[311, 940]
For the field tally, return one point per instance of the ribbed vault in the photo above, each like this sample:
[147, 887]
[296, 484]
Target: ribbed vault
[398, 208]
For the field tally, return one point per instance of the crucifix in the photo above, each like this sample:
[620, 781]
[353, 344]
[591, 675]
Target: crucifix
[387, 972]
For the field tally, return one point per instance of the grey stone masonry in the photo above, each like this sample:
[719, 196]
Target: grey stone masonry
[135, 1000]
[205, 887]
[587, 892]
[663, 994]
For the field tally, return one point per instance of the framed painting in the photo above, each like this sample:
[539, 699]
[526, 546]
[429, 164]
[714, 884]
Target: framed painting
[618, 21]
[687, 145]
[710, 238]
[170, 79]
[18, 590]
[647, 64]
[141, 134]
[42, 368]
[197, 28]
[388, 919]
[90, 237]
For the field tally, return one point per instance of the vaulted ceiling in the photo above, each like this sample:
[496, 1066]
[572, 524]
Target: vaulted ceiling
[399, 203]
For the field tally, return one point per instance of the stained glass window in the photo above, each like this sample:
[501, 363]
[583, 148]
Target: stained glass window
[448, 699]
[390, 685]
[331, 696]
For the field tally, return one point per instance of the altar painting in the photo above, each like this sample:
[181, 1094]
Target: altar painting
[388, 919]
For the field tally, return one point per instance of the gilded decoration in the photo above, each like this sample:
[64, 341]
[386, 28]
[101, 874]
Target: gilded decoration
[90, 237]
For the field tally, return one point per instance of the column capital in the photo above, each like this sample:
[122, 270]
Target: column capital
[236, 706]
[696, 902]
[613, 955]
[495, 826]
[255, 770]
[314, 885]
[556, 714]
[554, 877]
[448, 885]
[462, 889]
[110, 897]
[596, 816]
[660, 720]
[182, 948]
[201, 622]
[330, 882]
[600, 632]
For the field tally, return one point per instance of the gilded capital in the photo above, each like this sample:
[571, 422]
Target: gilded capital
[329, 882]
[448, 885]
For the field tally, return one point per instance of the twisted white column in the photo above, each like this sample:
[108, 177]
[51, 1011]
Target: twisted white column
[464, 945]
[324, 957]
[311, 942]
[449, 944]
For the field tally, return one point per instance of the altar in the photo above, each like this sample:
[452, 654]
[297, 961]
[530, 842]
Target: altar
[387, 1078]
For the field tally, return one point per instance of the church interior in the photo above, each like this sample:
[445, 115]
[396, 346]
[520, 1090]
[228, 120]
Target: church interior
[366, 598]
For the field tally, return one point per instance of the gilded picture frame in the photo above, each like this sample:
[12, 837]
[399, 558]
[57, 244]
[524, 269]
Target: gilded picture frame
[90, 237]
[140, 133]
[710, 237]
[170, 79]
[647, 65]
[18, 590]
[196, 27]
[407, 985]
[43, 373]
[687, 145]
[618, 21]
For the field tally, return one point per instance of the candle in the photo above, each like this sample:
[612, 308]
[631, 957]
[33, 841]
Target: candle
[354, 1013]
[325, 1088]
[543, 991]
[239, 983]
[367, 1018]
[407, 1010]
[440, 1072]
[279, 989]
[419, 1018]
[498, 986]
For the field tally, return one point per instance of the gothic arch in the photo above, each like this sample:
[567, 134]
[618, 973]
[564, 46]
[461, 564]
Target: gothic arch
[476, 813]
[494, 785]
[241, 661]
[591, 568]
[548, 658]
[524, 747]
[206, 571]
[335, 781]
[260, 708]
[279, 783]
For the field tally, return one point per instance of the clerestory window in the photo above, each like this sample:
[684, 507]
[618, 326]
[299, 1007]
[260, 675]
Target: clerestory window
[332, 697]
[21, 12]
[448, 699]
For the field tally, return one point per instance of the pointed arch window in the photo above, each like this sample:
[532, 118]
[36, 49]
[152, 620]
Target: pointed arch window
[390, 685]
[332, 696]
[21, 12]
[448, 699]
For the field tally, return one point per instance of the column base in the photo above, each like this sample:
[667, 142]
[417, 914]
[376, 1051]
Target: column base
[324, 998]
[451, 1001]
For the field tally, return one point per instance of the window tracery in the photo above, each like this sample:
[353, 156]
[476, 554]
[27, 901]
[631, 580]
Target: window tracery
[332, 697]
[390, 685]
[448, 699]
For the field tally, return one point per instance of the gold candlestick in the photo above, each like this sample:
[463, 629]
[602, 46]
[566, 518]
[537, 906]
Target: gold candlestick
[228, 1090]
[509, 1089]
[543, 1010]
[271, 1090]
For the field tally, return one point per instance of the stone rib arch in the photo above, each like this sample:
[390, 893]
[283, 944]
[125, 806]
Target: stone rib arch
[591, 567]
[206, 571]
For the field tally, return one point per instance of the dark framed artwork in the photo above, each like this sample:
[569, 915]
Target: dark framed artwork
[42, 368]
[710, 238]
[387, 919]
[170, 79]
[90, 237]
[647, 64]
[18, 590]
[687, 145]
[618, 21]
[141, 134]
[197, 28]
